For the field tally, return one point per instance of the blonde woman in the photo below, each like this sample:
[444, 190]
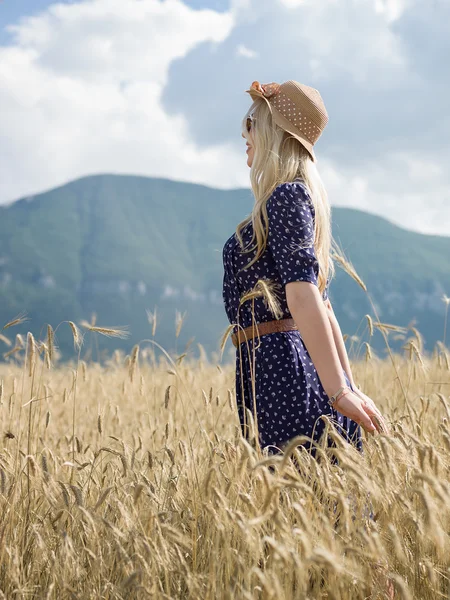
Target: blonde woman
[294, 368]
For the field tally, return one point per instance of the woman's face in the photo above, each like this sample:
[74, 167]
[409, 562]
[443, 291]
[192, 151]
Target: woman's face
[247, 135]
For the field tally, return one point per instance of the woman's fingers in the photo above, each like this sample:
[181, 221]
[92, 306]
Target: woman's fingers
[362, 411]
[364, 419]
[378, 424]
[376, 417]
[367, 423]
[372, 409]
[382, 421]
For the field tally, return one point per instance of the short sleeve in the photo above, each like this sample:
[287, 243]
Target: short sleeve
[290, 238]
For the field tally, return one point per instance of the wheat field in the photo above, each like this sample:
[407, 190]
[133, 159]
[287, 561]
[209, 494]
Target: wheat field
[130, 479]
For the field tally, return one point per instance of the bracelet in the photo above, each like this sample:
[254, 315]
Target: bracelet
[342, 391]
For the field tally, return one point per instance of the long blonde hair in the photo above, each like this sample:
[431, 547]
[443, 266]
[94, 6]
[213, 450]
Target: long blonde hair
[279, 158]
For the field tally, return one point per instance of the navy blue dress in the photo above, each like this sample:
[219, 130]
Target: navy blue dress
[288, 392]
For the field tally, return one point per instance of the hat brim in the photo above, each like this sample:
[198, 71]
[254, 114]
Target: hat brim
[287, 126]
[284, 123]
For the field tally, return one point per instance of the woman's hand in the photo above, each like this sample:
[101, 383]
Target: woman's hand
[361, 409]
[376, 413]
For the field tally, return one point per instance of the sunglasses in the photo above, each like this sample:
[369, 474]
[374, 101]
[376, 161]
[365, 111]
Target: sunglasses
[250, 120]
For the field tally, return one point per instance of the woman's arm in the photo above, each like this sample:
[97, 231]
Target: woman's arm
[339, 341]
[290, 240]
[311, 317]
[314, 323]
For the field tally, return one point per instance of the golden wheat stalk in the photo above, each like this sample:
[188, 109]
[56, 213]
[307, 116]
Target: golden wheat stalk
[179, 320]
[418, 354]
[226, 334]
[389, 327]
[167, 397]
[12, 351]
[50, 342]
[269, 291]
[152, 319]
[116, 332]
[5, 340]
[265, 289]
[349, 269]
[31, 353]
[370, 324]
[77, 338]
[16, 321]
[133, 361]
[47, 360]
[368, 355]
[419, 338]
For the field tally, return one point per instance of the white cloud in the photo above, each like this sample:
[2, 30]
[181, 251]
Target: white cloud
[80, 93]
[242, 50]
[82, 89]
[406, 189]
[292, 3]
[391, 9]
[112, 39]
[385, 91]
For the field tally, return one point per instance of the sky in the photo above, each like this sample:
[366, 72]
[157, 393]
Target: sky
[157, 88]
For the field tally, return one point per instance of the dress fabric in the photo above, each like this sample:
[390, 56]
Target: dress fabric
[289, 395]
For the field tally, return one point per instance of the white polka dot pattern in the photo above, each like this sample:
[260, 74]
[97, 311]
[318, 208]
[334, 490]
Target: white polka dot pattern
[292, 113]
[289, 396]
[291, 234]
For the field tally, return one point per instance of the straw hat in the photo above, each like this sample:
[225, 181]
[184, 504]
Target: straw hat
[296, 108]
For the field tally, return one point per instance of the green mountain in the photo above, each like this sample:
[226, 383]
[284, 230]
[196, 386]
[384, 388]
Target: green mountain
[118, 246]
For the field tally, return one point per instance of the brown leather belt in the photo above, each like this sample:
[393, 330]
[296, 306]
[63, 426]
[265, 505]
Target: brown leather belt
[262, 329]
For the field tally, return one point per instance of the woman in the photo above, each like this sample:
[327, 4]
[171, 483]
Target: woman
[290, 370]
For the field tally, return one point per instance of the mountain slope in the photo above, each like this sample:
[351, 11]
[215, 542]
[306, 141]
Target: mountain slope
[118, 245]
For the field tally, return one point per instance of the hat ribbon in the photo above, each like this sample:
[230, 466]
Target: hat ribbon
[266, 90]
